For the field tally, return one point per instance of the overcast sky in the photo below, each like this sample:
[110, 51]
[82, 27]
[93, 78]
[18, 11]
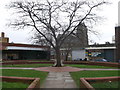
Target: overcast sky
[106, 28]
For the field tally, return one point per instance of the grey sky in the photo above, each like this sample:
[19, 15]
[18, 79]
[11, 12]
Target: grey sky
[106, 27]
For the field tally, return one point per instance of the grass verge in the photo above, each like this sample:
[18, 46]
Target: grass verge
[14, 85]
[25, 73]
[114, 84]
[84, 74]
[28, 65]
[90, 66]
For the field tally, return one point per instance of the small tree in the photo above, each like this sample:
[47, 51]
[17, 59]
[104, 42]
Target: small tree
[51, 18]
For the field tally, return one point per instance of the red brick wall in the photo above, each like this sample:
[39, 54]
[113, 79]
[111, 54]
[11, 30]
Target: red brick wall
[117, 41]
[85, 83]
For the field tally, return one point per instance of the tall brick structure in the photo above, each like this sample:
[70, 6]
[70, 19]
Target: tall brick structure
[4, 39]
[79, 39]
[117, 41]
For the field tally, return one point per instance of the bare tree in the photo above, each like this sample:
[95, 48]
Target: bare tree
[55, 17]
[38, 39]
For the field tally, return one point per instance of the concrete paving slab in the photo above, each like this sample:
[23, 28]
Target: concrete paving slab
[70, 85]
[52, 76]
[50, 79]
[67, 77]
[59, 80]
[69, 81]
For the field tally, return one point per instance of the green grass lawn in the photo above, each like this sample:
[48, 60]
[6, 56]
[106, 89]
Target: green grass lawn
[90, 66]
[39, 61]
[14, 85]
[77, 75]
[46, 65]
[28, 65]
[114, 84]
[27, 61]
[25, 73]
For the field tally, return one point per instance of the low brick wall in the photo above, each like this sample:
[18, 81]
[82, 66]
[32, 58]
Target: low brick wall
[109, 64]
[85, 82]
[26, 62]
[34, 82]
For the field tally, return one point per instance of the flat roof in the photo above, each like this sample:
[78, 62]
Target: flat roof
[16, 46]
[89, 48]
[23, 48]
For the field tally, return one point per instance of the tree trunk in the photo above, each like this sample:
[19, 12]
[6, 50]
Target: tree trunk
[58, 58]
[66, 56]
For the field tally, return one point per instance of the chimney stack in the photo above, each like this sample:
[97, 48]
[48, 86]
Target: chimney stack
[117, 43]
[4, 39]
[2, 34]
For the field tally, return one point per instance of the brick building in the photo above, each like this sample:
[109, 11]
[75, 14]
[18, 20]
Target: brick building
[18, 51]
[117, 41]
[77, 39]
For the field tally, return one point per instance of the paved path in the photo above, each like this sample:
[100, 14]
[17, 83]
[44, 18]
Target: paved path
[58, 69]
[59, 80]
[67, 69]
[14, 68]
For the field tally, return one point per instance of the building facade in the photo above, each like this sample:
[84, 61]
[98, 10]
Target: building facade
[101, 51]
[117, 43]
[15, 51]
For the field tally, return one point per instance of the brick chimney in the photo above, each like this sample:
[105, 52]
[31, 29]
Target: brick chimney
[2, 34]
[4, 39]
